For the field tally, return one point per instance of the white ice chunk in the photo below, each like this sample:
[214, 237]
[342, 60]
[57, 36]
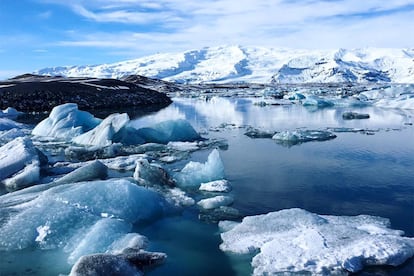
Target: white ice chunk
[215, 202]
[168, 131]
[11, 134]
[178, 197]
[311, 100]
[216, 186]
[295, 240]
[184, 146]
[103, 134]
[66, 121]
[195, 173]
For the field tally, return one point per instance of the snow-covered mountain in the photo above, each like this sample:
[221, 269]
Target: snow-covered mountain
[260, 65]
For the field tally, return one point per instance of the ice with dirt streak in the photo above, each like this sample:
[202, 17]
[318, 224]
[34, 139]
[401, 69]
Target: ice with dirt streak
[297, 241]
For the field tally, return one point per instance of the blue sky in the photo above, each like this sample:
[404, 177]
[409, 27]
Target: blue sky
[42, 33]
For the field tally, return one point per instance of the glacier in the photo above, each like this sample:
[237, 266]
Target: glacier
[259, 65]
[297, 241]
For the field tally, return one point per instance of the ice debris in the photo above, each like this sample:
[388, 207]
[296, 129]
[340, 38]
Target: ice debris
[19, 163]
[66, 121]
[215, 202]
[195, 173]
[295, 240]
[221, 186]
[169, 131]
[301, 136]
[7, 124]
[10, 112]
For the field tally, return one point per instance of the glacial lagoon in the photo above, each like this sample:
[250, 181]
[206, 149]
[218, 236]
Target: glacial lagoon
[366, 169]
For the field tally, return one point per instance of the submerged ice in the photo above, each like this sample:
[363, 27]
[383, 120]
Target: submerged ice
[295, 240]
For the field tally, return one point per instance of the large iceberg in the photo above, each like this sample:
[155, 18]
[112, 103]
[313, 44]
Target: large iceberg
[19, 163]
[298, 241]
[66, 121]
[103, 134]
[80, 218]
[169, 131]
[195, 173]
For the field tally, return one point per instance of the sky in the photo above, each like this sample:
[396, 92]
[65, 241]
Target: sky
[35, 34]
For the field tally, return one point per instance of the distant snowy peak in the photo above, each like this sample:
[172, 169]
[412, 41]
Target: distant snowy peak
[260, 65]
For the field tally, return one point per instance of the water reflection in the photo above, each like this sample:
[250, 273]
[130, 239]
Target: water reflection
[240, 112]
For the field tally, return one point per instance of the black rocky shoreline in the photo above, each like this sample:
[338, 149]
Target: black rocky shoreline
[34, 93]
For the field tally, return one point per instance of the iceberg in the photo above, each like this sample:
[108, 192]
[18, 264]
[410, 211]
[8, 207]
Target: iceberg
[195, 173]
[215, 202]
[81, 218]
[301, 136]
[103, 134]
[10, 112]
[311, 100]
[297, 241]
[222, 186]
[66, 121]
[19, 163]
[354, 115]
[149, 174]
[169, 131]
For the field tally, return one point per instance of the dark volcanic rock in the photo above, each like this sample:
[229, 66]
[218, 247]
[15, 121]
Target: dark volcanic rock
[354, 115]
[41, 93]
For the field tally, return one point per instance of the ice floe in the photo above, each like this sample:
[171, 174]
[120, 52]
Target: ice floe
[66, 121]
[195, 173]
[301, 136]
[91, 171]
[295, 240]
[151, 174]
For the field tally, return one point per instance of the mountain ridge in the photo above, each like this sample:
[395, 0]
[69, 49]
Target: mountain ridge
[229, 64]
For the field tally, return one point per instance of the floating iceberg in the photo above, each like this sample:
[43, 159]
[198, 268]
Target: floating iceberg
[222, 186]
[103, 134]
[311, 100]
[169, 131]
[295, 240]
[215, 202]
[66, 121]
[19, 163]
[81, 218]
[301, 136]
[195, 173]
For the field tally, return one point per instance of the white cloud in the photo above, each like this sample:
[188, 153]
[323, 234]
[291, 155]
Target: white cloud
[295, 24]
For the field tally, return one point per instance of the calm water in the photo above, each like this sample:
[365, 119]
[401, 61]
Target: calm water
[352, 174]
